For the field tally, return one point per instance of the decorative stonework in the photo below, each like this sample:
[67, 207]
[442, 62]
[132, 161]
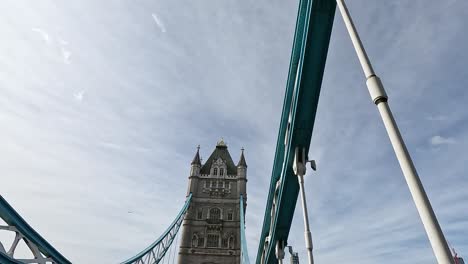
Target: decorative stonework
[212, 230]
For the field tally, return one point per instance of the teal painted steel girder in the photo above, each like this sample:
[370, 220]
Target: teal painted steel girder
[12, 218]
[156, 243]
[5, 259]
[244, 253]
[311, 40]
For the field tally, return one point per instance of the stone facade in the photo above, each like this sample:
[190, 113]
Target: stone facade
[211, 227]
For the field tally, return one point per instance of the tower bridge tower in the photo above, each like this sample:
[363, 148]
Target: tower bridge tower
[211, 228]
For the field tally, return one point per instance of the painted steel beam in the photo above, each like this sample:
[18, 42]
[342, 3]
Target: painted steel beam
[13, 219]
[310, 47]
[244, 252]
[5, 259]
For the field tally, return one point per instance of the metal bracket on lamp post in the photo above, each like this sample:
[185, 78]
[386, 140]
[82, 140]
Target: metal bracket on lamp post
[279, 251]
[299, 167]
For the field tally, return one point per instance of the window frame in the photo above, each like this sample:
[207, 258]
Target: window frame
[215, 211]
[200, 214]
[210, 239]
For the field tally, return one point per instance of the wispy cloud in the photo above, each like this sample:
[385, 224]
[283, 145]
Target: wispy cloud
[437, 118]
[111, 145]
[60, 44]
[44, 34]
[439, 140]
[79, 96]
[66, 54]
[222, 72]
[158, 22]
[62, 41]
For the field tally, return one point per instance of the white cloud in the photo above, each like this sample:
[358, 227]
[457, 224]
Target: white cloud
[439, 140]
[62, 41]
[66, 54]
[437, 118]
[43, 33]
[79, 96]
[158, 23]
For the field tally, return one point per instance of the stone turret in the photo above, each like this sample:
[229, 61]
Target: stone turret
[242, 175]
[194, 172]
[196, 163]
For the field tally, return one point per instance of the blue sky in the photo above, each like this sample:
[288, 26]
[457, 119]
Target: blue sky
[104, 102]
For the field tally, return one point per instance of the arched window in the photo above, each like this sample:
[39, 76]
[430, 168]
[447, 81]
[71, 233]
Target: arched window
[212, 241]
[200, 214]
[221, 171]
[194, 241]
[215, 213]
[215, 171]
[231, 242]
[201, 242]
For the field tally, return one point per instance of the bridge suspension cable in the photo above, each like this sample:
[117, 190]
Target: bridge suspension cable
[156, 252]
[244, 254]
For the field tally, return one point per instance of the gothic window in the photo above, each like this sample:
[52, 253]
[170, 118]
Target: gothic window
[194, 241]
[212, 241]
[231, 242]
[200, 214]
[221, 171]
[201, 241]
[215, 171]
[229, 215]
[220, 184]
[225, 242]
[214, 214]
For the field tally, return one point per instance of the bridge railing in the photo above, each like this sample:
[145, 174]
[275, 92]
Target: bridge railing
[154, 253]
[244, 254]
[42, 251]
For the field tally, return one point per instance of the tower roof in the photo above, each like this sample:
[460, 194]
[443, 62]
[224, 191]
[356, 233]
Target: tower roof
[222, 152]
[196, 160]
[242, 160]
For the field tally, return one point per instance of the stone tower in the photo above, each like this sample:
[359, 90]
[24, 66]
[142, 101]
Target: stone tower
[211, 228]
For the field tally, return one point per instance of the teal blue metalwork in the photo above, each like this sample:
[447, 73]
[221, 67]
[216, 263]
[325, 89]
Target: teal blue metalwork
[25, 231]
[5, 259]
[157, 250]
[311, 40]
[244, 253]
